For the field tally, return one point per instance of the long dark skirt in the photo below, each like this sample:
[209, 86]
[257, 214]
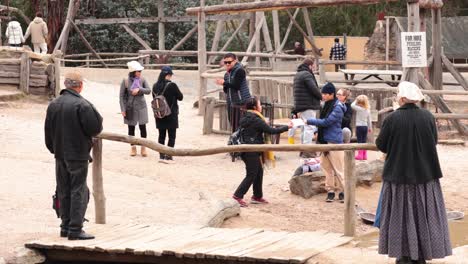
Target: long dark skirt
[413, 221]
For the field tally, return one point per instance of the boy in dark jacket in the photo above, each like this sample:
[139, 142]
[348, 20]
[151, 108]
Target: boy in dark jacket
[70, 125]
[329, 131]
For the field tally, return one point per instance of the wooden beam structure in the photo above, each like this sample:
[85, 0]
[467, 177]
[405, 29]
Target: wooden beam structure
[139, 20]
[161, 27]
[85, 41]
[288, 31]
[62, 42]
[277, 5]
[136, 37]
[185, 38]
[202, 59]
[315, 49]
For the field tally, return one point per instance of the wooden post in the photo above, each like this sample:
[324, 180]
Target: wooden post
[315, 49]
[267, 38]
[305, 13]
[73, 7]
[57, 58]
[209, 115]
[387, 42]
[436, 76]
[136, 37]
[276, 29]
[98, 187]
[411, 74]
[87, 61]
[202, 57]
[161, 30]
[258, 21]
[24, 73]
[350, 192]
[253, 40]
[322, 72]
[460, 79]
[1, 43]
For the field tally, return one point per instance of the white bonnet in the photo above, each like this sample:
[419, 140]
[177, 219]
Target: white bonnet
[134, 66]
[410, 91]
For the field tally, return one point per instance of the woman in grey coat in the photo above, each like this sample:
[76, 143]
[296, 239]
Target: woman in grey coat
[133, 104]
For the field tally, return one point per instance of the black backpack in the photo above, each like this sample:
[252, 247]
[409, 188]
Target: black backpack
[236, 139]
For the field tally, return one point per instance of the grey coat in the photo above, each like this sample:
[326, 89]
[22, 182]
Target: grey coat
[140, 110]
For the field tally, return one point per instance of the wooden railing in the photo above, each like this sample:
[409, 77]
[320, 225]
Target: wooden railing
[349, 166]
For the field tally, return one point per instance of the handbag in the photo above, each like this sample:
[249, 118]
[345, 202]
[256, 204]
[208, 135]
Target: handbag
[128, 106]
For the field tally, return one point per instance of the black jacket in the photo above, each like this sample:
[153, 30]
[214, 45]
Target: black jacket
[409, 137]
[348, 115]
[172, 95]
[306, 91]
[70, 125]
[253, 127]
[235, 85]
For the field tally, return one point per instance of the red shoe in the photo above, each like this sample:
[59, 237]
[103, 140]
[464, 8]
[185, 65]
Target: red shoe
[360, 155]
[241, 201]
[255, 200]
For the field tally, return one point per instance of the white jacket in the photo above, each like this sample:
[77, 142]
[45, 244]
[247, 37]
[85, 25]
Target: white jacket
[14, 33]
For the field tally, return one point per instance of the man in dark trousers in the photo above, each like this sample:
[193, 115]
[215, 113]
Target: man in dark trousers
[307, 98]
[70, 125]
[235, 86]
[338, 52]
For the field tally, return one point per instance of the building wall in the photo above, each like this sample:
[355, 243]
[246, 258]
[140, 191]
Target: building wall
[355, 46]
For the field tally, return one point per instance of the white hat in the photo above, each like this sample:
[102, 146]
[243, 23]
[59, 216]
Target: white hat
[410, 91]
[134, 66]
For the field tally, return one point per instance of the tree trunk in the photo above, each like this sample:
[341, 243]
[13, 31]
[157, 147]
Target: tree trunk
[55, 14]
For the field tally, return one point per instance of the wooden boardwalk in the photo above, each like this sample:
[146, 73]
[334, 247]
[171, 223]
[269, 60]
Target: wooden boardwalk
[136, 243]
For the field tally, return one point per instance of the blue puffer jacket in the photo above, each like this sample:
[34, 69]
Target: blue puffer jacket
[332, 124]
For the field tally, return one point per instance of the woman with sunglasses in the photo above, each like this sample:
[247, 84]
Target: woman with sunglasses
[133, 103]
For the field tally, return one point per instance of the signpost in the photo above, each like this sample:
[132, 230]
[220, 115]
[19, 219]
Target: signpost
[414, 50]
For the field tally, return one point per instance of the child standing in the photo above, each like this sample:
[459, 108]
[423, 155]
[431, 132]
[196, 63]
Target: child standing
[363, 122]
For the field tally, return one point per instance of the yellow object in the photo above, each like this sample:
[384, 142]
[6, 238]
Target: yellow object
[291, 140]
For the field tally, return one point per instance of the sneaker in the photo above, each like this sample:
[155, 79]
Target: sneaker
[255, 200]
[341, 197]
[241, 201]
[330, 197]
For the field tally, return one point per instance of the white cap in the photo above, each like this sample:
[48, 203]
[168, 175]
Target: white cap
[410, 91]
[134, 66]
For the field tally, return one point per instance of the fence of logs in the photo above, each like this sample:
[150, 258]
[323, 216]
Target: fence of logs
[349, 169]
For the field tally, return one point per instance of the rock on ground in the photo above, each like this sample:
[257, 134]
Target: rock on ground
[27, 256]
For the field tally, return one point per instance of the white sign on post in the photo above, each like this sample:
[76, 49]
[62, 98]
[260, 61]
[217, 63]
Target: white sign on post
[414, 51]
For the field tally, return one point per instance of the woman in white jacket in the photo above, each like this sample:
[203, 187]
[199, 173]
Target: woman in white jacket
[14, 33]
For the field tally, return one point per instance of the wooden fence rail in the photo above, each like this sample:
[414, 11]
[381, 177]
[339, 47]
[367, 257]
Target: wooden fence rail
[349, 172]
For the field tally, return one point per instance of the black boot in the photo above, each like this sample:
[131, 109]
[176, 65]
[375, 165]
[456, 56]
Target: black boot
[330, 197]
[80, 236]
[341, 197]
[404, 260]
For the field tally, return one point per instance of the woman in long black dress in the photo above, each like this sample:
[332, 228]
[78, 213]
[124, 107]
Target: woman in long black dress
[411, 212]
[169, 124]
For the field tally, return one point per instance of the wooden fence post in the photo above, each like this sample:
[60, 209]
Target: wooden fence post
[322, 71]
[209, 115]
[87, 61]
[24, 73]
[350, 192]
[57, 59]
[98, 188]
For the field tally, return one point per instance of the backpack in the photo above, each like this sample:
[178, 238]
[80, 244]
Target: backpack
[160, 106]
[236, 139]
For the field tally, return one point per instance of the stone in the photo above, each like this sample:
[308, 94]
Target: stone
[308, 184]
[27, 256]
[369, 172]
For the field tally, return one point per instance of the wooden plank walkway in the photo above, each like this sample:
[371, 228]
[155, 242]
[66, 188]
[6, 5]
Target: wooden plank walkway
[139, 243]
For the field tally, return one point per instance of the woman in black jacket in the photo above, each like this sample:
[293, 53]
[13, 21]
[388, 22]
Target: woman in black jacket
[169, 124]
[411, 212]
[253, 127]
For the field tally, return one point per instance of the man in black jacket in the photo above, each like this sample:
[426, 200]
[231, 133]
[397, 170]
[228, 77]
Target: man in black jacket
[235, 86]
[70, 125]
[307, 97]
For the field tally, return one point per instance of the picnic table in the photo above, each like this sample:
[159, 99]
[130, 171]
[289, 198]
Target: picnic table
[350, 74]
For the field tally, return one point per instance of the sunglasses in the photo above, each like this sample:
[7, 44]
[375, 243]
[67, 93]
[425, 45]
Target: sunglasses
[227, 62]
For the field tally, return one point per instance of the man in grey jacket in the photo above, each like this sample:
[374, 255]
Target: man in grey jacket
[38, 31]
[307, 98]
[70, 125]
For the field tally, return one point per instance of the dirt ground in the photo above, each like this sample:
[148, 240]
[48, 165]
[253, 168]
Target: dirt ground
[141, 190]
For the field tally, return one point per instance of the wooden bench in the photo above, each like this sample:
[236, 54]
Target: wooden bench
[350, 75]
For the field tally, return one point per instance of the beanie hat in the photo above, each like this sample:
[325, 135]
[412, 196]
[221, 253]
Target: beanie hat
[329, 88]
[167, 69]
